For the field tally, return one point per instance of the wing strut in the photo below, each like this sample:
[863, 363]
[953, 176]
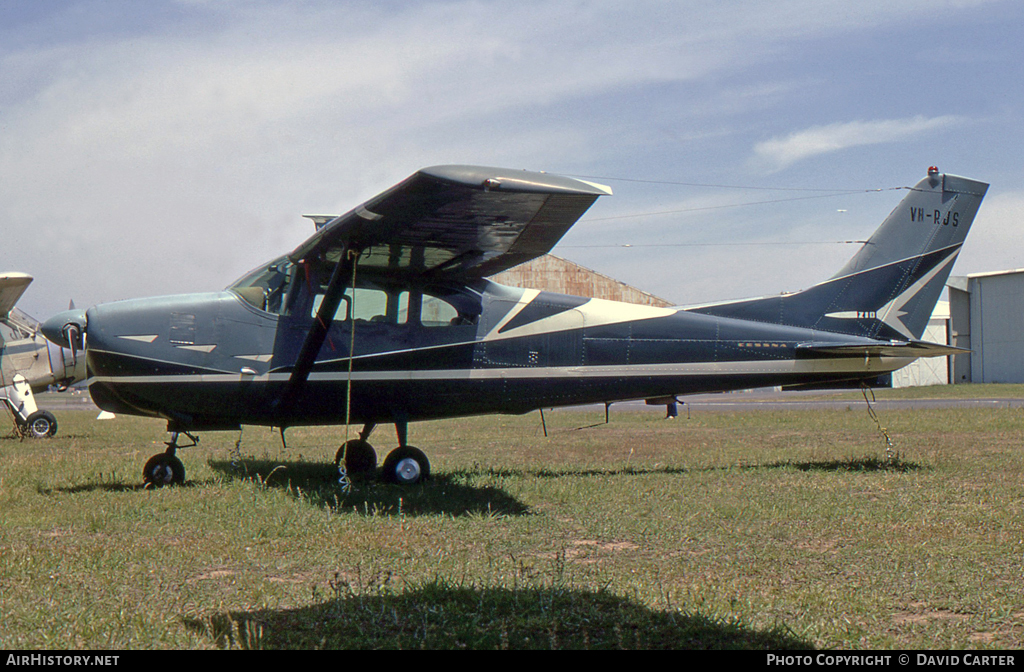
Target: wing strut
[317, 332]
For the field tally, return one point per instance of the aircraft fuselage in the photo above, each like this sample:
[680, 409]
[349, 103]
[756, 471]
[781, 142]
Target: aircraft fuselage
[217, 361]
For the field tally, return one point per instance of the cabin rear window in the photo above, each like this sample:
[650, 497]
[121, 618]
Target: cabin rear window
[394, 307]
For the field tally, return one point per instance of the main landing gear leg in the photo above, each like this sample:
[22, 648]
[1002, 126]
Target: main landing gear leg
[360, 457]
[165, 468]
[405, 465]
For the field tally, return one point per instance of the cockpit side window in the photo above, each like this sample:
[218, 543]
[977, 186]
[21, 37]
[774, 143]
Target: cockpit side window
[17, 326]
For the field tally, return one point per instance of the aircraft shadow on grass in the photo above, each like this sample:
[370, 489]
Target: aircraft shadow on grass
[444, 493]
[441, 616]
[111, 486]
[448, 493]
[318, 484]
[867, 464]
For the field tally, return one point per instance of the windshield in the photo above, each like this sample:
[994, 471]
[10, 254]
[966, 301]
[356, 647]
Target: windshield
[267, 286]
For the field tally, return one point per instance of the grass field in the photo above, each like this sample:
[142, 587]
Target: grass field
[770, 529]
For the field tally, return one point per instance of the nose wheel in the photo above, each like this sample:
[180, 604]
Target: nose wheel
[165, 468]
[40, 425]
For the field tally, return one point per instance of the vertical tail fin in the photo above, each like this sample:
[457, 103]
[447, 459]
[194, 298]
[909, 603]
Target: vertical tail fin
[888, 290]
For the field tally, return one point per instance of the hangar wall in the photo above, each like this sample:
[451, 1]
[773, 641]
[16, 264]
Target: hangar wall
[929, 370]
[987, 316]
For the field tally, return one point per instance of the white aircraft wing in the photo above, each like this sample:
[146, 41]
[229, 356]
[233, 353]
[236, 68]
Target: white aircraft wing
[12, 286]
[464, 221]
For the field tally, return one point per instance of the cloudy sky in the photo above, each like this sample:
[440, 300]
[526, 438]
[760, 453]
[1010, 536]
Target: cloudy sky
[170, 146]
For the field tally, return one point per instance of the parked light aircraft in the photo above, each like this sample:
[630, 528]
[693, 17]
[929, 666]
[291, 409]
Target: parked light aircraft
[28, 362]
[400, 282]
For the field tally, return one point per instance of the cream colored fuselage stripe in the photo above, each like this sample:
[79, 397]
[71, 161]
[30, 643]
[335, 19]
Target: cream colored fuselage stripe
[855, 365]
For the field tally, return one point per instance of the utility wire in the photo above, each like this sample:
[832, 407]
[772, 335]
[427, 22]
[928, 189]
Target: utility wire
[724, 186]
[830, 193]
[759, 244]
[731, 205]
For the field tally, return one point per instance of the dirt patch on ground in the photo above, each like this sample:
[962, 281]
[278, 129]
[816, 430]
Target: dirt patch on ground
[919, 613]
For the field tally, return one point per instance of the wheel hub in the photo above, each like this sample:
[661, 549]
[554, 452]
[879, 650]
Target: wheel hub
[161, 474]
[408, 470]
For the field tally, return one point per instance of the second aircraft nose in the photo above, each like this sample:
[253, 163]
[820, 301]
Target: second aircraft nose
[66, 329]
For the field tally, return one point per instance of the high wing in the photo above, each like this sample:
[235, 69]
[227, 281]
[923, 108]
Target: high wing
[12, 286]
[456, 221]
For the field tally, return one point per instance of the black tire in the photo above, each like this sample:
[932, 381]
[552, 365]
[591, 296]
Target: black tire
[360, 457]
[406, 466]
[163, 469]
[40, 425]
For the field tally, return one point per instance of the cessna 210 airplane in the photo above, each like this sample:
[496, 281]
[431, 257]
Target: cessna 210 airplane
[28, 362]
[386, 315]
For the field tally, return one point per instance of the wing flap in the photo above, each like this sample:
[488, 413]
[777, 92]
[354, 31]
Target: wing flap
[457, 220]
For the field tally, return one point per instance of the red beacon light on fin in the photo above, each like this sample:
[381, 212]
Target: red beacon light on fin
[933, 170]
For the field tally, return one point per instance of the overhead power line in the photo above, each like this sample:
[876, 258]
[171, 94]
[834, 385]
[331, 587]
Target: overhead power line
[733, 205]
[757, 243]
[828, 193]
[724, 186]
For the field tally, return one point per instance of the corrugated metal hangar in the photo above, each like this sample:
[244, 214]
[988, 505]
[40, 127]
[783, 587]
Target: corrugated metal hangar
[987, 316]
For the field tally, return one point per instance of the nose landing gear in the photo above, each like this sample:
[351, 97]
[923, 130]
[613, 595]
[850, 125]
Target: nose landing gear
[165, 468]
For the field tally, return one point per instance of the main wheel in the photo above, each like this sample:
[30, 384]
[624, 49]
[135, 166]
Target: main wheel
[406, 465]
[40, 425]
[163, 469]
[360, 457]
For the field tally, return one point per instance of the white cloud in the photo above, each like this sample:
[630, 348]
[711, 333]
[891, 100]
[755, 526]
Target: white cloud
[779, 153]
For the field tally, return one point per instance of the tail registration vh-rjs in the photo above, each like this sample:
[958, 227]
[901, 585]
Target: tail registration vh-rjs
[385, 315]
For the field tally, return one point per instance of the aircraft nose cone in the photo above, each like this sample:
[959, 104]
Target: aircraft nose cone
[63, 328]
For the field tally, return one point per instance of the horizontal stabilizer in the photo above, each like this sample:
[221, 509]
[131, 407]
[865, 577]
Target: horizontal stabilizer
[881, 349]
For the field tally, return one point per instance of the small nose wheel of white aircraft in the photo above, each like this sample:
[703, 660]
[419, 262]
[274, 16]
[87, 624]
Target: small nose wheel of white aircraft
[406, 465]
[360, 457]
[40, 425]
